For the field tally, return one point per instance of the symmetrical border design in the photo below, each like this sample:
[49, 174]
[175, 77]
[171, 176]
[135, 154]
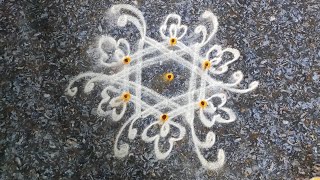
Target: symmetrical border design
[127, 90]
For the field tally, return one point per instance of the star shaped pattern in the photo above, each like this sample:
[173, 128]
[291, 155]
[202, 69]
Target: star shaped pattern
[203, 101]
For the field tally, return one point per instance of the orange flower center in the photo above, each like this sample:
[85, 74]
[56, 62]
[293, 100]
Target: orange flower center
[206, 64]
[126, 96]
[173, 41]
[203, 104]
[169, 76]
[126, 60]
[164, 117]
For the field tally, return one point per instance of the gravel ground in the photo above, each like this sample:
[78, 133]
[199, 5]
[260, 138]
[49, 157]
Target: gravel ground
[47, 135]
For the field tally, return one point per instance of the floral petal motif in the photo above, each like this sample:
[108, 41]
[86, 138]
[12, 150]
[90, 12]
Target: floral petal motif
[211, 109]
[175, 30]
[114, 103]
[117, 50]
[215, 55]
[164, 131]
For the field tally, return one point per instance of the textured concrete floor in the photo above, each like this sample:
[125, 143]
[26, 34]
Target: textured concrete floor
[47, 135]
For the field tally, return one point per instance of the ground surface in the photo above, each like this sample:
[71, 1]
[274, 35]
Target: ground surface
[47, 135]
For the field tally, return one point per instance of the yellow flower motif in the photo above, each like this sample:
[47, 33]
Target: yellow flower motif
[164, 118]
[126, 96]
[173, 41]
[206, 65]
[203, 104]
[169, 77]
[126, 60]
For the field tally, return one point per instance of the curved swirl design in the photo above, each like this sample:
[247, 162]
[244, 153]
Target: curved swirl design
[123, 89]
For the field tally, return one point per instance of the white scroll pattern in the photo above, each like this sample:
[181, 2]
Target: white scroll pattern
[119, 82]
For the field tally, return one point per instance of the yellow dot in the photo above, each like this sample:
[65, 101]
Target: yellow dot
[169, 76]
[203, 104]
[126, 96]
[126, 60]
[164, 117]
[206, 64]
[173, 41]
[315, 178]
